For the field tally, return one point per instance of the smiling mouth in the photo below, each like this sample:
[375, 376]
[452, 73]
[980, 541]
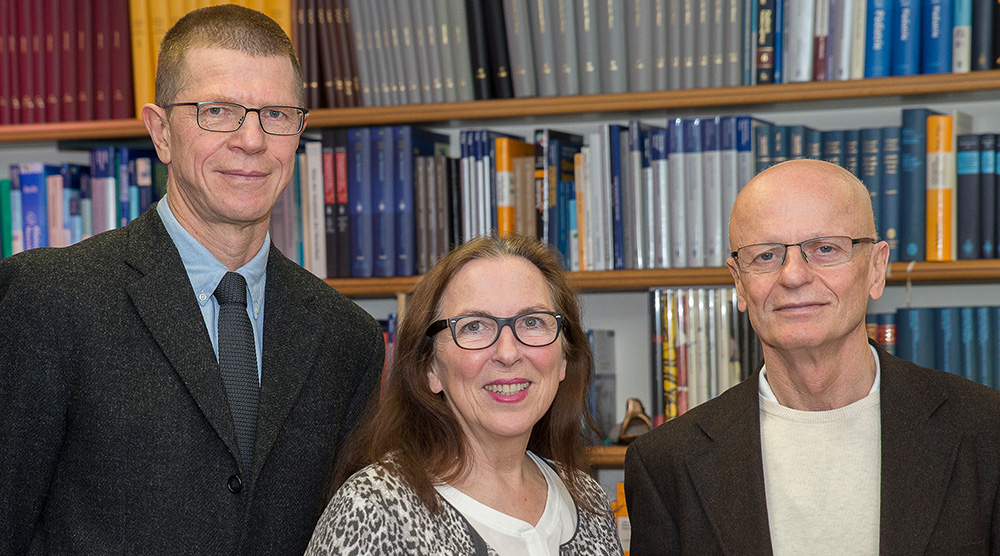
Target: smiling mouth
[507, 389]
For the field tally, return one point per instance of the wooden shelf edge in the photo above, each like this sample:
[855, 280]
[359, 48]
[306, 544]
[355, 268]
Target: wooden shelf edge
[602, 457]
[717, 97]
[641, 280]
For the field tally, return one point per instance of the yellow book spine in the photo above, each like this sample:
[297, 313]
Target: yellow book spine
[143, 57]
[505, 187]
[941, 233]
[280, 11]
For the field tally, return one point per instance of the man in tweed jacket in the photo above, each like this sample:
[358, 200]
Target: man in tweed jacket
[115, 431]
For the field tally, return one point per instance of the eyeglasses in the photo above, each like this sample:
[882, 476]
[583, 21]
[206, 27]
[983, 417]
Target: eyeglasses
[761, 258]
[536, 329]
[227, 117]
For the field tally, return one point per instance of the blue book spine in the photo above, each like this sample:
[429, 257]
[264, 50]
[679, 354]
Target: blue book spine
[779, 10]
[871, 168]
[967, 196]
[878, 43]
[123, 155]
[970, 344]
[763, 138]
[852, 150]
[986, 346]
[906, 37]
[948, 340]
[661, 205]
[405, 228]
[913, 180]
[779, 144]
[936, 36]
[915, 335]
[383, 202]
[72, 178]
[618, 226]
[6, 237]
[566, 201]
[987, 195]
[889, 230]
[982, 34]
[34, 203]
[86, 207]
[142, 194]
[359, 193]
[814, 143]
[833, 146]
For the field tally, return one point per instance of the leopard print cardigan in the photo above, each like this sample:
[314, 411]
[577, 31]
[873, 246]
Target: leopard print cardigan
[376, 513]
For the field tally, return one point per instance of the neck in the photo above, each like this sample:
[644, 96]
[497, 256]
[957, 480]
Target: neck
[233, 244]
[821, 379]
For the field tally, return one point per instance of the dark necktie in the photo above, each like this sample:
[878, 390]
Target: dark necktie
[238, 362]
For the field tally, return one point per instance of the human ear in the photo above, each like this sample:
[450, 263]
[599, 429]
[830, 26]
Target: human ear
[155, 120]
[433, 381]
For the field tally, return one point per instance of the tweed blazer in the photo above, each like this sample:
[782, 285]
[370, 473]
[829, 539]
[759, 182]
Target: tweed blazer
[695, 485]
[115, 433]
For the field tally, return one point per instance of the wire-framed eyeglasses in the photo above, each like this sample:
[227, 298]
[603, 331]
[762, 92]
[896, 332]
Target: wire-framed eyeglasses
[534, 329]
[761, 258]
[227, 117]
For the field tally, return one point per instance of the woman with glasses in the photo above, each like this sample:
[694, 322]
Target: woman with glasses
[477, 446]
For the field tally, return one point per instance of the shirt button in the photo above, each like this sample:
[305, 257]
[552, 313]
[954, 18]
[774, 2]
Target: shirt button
[235, 484]
[203, 297]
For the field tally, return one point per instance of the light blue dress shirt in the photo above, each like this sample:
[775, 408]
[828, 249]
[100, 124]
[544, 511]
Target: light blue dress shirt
[205, 272]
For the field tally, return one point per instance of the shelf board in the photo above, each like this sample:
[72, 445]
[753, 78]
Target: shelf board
[606, 456]
[717, 97]
[641, 280]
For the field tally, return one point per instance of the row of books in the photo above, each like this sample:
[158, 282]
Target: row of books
[49, 53]
[701, 346]
[933, 184]
[960, 340]
[48, 205]
[89, 59]
[819, 40]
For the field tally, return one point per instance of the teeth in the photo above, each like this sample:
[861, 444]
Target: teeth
[507, 389]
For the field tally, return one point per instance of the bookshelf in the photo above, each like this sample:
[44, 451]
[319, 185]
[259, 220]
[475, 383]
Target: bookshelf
[843, 96]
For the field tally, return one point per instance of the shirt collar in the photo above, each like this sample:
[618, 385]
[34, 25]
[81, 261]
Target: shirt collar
[204, 270]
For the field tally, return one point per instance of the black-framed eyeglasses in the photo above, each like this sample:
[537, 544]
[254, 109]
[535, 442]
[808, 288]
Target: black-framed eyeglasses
[534, 329]
[761, 258]
[227, 117]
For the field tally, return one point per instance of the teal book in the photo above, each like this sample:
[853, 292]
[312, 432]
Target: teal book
[6, 220]
[889, 229]
[967, 198]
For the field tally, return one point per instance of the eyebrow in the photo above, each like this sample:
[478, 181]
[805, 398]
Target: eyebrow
[523, 310]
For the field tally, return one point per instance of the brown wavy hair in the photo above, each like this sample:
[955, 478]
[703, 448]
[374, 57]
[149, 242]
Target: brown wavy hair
[223, 26]
[414, 432]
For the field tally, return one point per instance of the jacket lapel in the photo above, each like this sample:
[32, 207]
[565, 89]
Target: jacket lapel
[918, 456]
[163, 297]
[291, 340]
[728, 474]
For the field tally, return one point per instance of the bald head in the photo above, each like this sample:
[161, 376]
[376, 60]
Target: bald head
[807, 198]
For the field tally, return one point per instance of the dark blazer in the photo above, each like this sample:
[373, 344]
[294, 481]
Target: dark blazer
[115, 433]
[695, 485]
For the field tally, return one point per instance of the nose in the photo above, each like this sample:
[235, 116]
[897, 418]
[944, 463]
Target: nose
[795, 271]
[250, 135]
[507, 346]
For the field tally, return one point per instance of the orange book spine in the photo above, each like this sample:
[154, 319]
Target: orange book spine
[941, 177]
[505, 187]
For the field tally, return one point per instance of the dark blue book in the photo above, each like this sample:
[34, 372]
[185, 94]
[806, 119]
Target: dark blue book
[615, 135]
[913, 182]
[878, 43]
[935, 38]
[967, 196]
[411, 142]
[763, 138]
[970, 344]
[870, 140]
[889, 230]
[852, 151]
[905, 37]
[796, 137]
[549, 160]
[34, 202]
[779, 144]
[635, 214]
[986, 346]
[359, 194]
[948, 339]
[982, 34]
[915, 335]
[814, 143]
[73, 176]
[767, 47]
[833, 146]
[779, 33]
[988, 195]
[383, 201]
[86, 206]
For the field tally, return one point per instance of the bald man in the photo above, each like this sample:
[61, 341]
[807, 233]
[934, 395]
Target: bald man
[833, 446]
